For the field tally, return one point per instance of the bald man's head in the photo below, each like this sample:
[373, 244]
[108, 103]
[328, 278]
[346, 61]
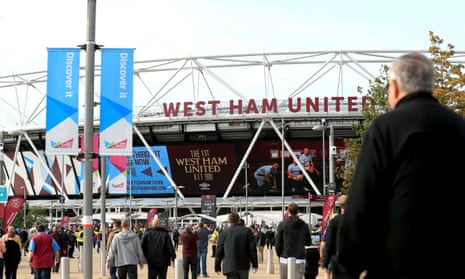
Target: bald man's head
[156, 222]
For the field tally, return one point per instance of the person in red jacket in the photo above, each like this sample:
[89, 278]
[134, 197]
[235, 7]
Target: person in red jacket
[189, 252]
[43, 249]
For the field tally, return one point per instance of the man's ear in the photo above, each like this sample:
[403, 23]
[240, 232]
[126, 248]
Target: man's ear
[395, 89]
[394, 94]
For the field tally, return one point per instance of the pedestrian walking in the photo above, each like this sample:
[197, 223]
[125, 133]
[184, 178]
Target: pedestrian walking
[236, 252]
[175, 238]
[269, 241]
[261, 241]
[72, 241]
[12, 256]
[116, 228]
[203, 232]
[158, 250]
[406, 155]
[292, 235]
[55, 233]
[214, 241]
[24, 235]
[330, 247]
[126, 252]
[189, 252]
[43, 251]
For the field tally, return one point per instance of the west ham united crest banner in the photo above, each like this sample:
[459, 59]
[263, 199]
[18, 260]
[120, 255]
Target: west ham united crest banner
[62, 101]
[116, 101]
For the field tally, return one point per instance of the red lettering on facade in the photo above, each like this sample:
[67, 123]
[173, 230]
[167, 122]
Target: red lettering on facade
[237, 107]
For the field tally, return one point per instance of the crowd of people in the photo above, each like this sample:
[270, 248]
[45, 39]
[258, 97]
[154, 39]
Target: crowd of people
[156, 247]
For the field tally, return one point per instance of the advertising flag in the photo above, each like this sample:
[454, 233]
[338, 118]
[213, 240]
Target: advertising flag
[327, 208]
[3, 193]
[117, 171]
[152, 214]
[12, 208]
[116, 101]
[62, 101]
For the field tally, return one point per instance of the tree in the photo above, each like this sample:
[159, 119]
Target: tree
[449, 89]
[34, 214]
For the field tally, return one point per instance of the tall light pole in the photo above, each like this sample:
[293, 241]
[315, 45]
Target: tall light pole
[130, 189]
[25, 205]
[322, 127]
[176, 204]
[246, 186]
[332, 153]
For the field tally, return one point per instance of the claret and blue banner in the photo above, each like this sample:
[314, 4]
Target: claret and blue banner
[61, 123]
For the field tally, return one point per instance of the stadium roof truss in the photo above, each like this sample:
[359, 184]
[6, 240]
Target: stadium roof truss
[226, 79]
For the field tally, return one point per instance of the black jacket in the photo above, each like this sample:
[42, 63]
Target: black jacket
[237, 249]
[410, 169]
[292, 236]
[158, 248]
[330, 248]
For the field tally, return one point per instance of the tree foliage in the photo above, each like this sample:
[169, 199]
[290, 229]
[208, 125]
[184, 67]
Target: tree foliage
[449, 89]
[34, 214]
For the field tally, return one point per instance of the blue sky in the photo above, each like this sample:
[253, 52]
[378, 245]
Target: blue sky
[179, 28]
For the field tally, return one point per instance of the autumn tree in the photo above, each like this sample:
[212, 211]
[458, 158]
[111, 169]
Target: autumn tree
[449, 89]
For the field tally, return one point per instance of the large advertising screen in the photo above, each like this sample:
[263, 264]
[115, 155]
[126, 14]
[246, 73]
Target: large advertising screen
[199, 169]
[203, 169]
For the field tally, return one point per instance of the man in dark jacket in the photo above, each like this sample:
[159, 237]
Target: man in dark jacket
[236, 249]
[292, 235]
[330, 247]
[409, 157]
[158, 250]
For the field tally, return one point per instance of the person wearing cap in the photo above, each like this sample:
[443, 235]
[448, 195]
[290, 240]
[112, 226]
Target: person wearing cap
[330, 248]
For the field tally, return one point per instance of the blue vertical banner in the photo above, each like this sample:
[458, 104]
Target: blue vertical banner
[61, 124]
[116, 101]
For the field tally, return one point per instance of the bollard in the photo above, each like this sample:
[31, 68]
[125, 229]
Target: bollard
[80, 259]
[291, 268]
[178, 269]
[270, 264]
[64, 267]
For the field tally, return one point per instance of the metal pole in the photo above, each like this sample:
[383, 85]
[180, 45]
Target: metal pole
[332, 152]
[25, 206]
[1, 158]
[130, 190]
[175, 209]
[324, 162]
[310, 211]
[103, 218]
[62, 198]
[50, 213]
[246, 166]
[282, 169]
[88, 139]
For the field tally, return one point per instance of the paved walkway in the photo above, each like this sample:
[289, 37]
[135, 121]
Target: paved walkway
[24, 271]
